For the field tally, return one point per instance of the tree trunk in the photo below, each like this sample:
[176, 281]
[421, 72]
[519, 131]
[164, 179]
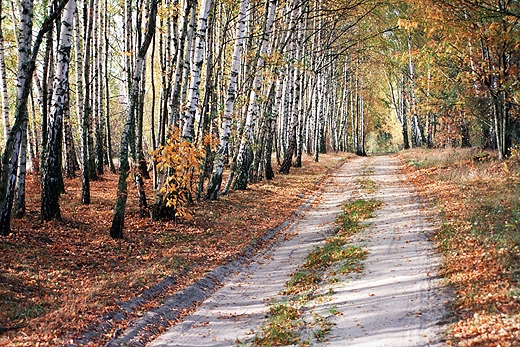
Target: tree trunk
[196, 66]
[99, 118]
[71, 160]
[19, 199]
[51, 165]
[87, 110]
[108, 128]
[3, 82]
[216, 177]
[271, 128]
[116, 230]
[26, 68]
[291, 147]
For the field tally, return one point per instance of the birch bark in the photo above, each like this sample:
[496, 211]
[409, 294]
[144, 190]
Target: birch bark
[3, 82]
[216, 177]
[51, 165]
[196, 66]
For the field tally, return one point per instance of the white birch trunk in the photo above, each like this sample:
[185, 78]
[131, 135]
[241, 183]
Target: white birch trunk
[196, 66]
[3, 82]
[185, 31]
[51, 178]
[216, 179]
[14, 141]
[79, 67]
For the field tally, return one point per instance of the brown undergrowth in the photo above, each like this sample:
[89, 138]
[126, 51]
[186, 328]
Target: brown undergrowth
[57, 278]
[478, 198]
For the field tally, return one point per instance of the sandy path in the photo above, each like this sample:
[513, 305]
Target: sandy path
[394, 303]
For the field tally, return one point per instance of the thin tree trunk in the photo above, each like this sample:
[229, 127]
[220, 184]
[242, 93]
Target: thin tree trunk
[51, 165]
[19, 199]
[71, 160]
[216, 177]
[86, 111]
[108, 128]
[98, 93]
[116, 230]
[198, 60]
[271, 128]
[3, 81]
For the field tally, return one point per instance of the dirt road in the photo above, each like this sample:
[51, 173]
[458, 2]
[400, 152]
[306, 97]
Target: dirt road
[396, 301]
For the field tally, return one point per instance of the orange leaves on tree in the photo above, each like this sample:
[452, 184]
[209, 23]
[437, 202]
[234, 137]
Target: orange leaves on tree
[177, 160]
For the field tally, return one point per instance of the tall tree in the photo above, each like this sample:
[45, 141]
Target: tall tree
[196, 66]
[3, 81]
[27, 54]
[116, 229]
[51, 165]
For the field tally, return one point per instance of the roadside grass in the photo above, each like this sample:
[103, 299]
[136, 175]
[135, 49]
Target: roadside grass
[478, 198]
[59, 278]
[285, 320]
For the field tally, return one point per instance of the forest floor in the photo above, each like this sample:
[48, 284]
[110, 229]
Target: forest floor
[478, 201]
[68, 282]
[59, 280]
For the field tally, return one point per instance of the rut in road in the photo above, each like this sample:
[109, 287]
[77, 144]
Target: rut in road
[395, 302]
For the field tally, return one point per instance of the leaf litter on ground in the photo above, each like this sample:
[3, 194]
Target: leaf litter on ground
[60, 278]
[478, 198]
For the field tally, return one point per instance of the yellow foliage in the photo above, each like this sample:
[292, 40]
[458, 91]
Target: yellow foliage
[177, 160]
[407, 24]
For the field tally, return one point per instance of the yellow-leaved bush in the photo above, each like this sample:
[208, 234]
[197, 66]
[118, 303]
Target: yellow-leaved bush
[177, 161]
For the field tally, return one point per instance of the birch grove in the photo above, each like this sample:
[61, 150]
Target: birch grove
[258, 84]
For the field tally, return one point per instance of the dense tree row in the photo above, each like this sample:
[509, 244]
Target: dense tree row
[453, 73]
[244, 82]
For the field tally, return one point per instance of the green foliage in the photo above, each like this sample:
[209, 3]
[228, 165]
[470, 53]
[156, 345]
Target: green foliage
[356, 211]
[281, 326]
[177, 160]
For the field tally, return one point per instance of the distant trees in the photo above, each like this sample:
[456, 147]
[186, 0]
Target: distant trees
[453, 72]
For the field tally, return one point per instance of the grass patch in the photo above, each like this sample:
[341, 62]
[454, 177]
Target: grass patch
[367, 184]
[284, 322]
[281, 327]
[355, 212]
[321, 327]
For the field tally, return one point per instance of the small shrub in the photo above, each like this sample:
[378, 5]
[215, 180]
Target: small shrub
[176, 161]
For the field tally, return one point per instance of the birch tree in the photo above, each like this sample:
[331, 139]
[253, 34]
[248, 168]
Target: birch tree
[3, 81]
[216, 178]
[116, 229]
[51, 165]
[27, 54]
[196, 66]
